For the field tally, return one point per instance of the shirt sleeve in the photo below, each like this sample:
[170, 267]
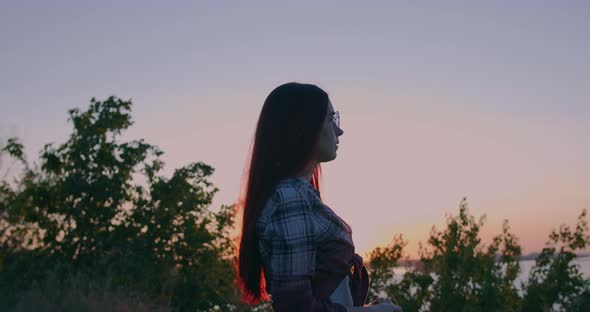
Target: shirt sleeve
[293, 257]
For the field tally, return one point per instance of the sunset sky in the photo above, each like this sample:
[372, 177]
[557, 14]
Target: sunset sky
[438, 99]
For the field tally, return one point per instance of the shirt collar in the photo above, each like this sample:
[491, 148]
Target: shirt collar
[305, 183]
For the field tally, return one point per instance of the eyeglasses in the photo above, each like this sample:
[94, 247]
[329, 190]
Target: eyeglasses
[336, 118]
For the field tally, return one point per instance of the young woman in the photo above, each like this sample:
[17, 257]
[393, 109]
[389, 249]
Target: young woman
[293, 249]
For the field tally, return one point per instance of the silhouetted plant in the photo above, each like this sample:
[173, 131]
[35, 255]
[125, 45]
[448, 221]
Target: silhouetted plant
[83, 206]
[555, 280]
[456, 272]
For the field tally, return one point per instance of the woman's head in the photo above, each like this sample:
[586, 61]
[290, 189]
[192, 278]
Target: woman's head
[295, 129]
[328, 137]
[295, 132]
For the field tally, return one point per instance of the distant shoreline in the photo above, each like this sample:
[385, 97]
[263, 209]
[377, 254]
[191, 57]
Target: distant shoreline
[531, 256]
[534, 255]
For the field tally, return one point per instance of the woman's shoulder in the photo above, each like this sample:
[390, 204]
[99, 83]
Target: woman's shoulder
[288, 195]
[293, 203]
[292, 187]
[288, 207]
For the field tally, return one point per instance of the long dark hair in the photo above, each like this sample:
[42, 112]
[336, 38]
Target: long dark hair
[284, 144]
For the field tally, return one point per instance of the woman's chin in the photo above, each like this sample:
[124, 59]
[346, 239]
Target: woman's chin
[327, 157]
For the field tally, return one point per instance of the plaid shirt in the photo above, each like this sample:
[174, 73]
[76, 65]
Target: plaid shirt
[292, 224]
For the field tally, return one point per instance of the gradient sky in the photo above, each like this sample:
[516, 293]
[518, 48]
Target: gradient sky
[484, 99]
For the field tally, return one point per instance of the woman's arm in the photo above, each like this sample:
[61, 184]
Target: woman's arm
[296, 296]
[380, 307]
[291, 240]
[360, 309]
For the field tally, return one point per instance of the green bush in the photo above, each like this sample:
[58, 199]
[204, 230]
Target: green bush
[65, 290]
[457, 272]
[84, 207]
[555, 280]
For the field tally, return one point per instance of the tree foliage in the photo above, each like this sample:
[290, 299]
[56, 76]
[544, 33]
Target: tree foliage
[555, 280]
[83, 206]
[457, 272]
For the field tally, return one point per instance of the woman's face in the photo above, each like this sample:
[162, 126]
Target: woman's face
[328, 140]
